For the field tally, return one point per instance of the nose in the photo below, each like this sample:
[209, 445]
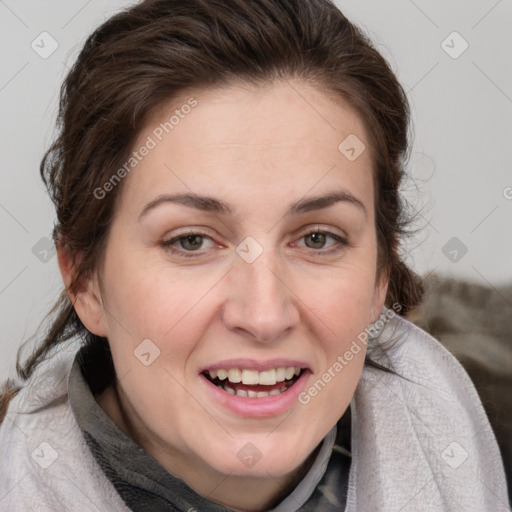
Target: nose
[261, 305]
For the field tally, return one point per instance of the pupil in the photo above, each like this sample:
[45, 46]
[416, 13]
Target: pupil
[318, 239]
[192, 240]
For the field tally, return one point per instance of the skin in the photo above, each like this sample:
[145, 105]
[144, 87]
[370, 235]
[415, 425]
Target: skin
[258, 149]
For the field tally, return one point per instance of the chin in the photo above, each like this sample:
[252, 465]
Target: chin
[260, 458]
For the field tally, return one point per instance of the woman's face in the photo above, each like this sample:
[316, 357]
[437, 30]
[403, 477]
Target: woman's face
[243, 242]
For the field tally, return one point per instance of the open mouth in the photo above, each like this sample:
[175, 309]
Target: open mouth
[252, 383]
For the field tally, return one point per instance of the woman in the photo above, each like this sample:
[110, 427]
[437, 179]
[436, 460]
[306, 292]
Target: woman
[228, 221]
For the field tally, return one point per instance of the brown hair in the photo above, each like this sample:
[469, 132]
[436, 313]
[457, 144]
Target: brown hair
[146, 55]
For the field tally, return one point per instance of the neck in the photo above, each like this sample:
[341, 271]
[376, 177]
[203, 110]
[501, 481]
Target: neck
[254, 495]
[241, 493]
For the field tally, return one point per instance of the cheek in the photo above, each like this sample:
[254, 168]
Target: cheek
[152, 299]
[342, 300]
[342, 313]
[172, 309]
[340, 310]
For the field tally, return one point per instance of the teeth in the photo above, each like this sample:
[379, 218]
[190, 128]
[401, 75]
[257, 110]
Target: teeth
[252, 377]
[280, 374]
[234, 375]
[268, 377]
[253, 394]
[231, 391]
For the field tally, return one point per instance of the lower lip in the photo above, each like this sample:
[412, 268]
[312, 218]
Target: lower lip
[271, 405]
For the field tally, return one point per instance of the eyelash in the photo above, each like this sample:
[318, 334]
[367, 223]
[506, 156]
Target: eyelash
[168, 244]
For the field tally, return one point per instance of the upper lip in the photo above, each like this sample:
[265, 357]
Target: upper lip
[252, 364]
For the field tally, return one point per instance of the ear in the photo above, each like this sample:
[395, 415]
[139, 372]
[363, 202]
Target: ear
[379, 296]
[87, 300]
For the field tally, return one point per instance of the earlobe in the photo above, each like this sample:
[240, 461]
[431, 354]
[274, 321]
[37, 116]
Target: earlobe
[86, 299]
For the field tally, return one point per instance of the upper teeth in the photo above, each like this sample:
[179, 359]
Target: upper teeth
[251, 377]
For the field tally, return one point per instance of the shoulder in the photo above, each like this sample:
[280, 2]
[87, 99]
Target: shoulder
[415, 355]
[420, 434]
[46, 464]
[428, 381]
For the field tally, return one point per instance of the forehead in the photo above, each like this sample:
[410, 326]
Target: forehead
[281, 135]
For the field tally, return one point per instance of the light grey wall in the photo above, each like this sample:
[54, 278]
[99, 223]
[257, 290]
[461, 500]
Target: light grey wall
[461, 160]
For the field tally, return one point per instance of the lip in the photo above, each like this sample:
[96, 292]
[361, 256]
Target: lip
[252, 364]
[256, 407]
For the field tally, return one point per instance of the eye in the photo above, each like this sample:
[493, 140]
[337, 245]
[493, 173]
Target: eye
[194, 244]
[187, 243]
[318, 239]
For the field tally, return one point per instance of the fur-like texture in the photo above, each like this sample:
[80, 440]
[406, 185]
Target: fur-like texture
[474, 323]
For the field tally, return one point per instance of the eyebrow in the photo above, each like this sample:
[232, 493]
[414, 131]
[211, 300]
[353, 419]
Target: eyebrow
[210, 204]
